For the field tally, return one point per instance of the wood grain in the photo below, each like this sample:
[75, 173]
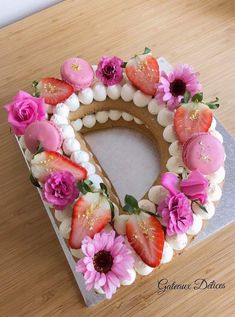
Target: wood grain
[35, 278]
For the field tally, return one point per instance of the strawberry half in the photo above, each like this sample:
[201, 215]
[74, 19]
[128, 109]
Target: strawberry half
[146, 236]
[190, 119]
[143, 72]
[91, 214]
[48, 161]
[54, 90]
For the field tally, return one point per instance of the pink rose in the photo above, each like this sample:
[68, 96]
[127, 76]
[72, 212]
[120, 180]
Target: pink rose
[23, 110]
[109, 70]
[195, 187]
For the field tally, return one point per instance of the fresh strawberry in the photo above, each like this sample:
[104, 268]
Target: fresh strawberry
[48, 161]
[143, 72]
[146, 236]
[54, 90]
[91, 214]
[190, 119]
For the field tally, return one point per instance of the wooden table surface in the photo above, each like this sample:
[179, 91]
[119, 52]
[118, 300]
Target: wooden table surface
[35, 278]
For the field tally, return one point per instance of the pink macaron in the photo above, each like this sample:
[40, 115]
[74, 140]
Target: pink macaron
[45, 133]
[203, 152]
[77, 72]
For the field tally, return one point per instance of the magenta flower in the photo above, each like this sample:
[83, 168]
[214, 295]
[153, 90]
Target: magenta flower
[109, 70]
[60, 189]
[176, 213]
[172, 87]
[106, 262]
[23, 110]
[195, 187]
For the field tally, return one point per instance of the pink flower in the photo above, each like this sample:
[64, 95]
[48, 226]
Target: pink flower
[195, 187]
[176, 213]
[106, 262]
[23, 110]
[109, 70]
[60, 189]
[172, 87]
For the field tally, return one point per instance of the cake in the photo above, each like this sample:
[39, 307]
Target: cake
[112, 243]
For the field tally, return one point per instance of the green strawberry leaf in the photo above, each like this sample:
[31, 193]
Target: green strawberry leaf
[198, 97]
[84, 187]
[104, 189]
[34, 181]
[213, 104]
[40, 149]
[112, 209]
[147, 50]
[124, 64]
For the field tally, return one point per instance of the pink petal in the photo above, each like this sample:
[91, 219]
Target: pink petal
[167, 97]
[171, 182]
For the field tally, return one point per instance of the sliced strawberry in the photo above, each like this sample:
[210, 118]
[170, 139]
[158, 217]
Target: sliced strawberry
[54, 90]
[190, 119]
[91, 214]
[146, 236]
[48, 161]
[143, 72]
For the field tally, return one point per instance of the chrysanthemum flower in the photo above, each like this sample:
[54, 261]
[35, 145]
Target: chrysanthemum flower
[172, 87]
[106, 262]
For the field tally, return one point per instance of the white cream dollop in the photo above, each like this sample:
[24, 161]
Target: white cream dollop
[167, 253]
[89, 121]
[65, 227]
[169, 134]
[67, 131]
[80, 156]
[178, 241]
[165, 117]
[61, 215]
[28, 155]
[196, 226]
[175, 149]
[99, 92]
[102, 116]
[138, 121]
[96, 180]
[114, 91]
[115, 115]
[214, 192]
[58, 120]
[217, 135]
[62, 110]
[127, 92]
[142, 268]
[77, 253]
[140, 99]
[132, 277]
[70, 145]
[120, 224]
[154, 107]
[77, 124]
[22, 142]
[218, 176]
[157, 193]
[73, 102]
[210, 207]
[86, 96]
[174, 165]
[127, 116]
[89, 167]
[147, 205]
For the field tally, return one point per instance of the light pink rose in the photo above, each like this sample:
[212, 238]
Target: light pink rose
[23, 110]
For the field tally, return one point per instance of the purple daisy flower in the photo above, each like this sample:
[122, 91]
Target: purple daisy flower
[172, 87]
[106, 263]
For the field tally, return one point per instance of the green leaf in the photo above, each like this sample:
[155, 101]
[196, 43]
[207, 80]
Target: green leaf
[124, 64]
[34, 180]
[187, 97]
[212, 105]
[40, 149]
[129, 209]
[84, 187]
[147, 50]
[199, 205]
[198, 97]
[104, 189]
[36, 94]
[35, 83]
[112, 209]
[130, 200]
